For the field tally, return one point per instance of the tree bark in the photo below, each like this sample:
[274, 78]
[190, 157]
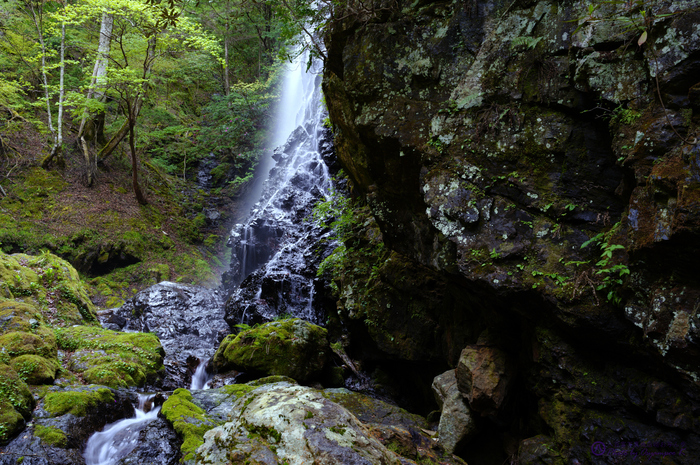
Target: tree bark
[227, 82]
[96, 91]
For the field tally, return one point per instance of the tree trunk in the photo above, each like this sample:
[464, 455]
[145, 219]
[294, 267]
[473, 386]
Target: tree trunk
[134, 161]
[227, 82]
[57, 149]
[96, 91]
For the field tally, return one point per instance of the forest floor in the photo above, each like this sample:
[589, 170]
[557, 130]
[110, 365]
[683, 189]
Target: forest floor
[118, 246]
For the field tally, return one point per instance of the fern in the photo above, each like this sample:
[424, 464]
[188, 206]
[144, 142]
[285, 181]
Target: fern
[529, 42]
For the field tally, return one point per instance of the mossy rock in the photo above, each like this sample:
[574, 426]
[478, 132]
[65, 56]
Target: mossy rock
[15, 391]
[188, 419]
[112, 358]
[78, 403]
[292, 347]
[51, 435]
[11, 422]
[41, 342]
[370, 410]
[17, 316]
[35, 369]
[50, 284]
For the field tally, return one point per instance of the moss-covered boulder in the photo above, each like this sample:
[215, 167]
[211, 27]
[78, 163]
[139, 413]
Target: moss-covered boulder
[189, 420]
[41, 342]
[11, 421]
[50, 284]
[291, 347]
[35, 369]
[15, 391]
[111, 358]
[77, 403]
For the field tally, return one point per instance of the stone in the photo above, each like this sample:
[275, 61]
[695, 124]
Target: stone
[457, 424]
[290, 347]
[296, 424]
[484, 375]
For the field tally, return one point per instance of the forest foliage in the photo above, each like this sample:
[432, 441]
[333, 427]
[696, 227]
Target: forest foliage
[190, 78]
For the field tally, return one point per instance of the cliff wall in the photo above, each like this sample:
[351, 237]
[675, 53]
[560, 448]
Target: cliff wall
[533, 167]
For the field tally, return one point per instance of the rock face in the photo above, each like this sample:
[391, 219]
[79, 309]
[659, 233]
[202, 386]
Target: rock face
[63, 420]
[188, 320]
[540, 161]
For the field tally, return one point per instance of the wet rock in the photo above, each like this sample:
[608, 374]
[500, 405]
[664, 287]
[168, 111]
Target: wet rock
[63, 421]
[290, 347]
[484, 375]
[188, 320]
[456, 421]
[157, 444]
[276, 252]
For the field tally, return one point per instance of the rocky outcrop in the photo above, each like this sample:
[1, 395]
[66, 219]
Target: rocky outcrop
[484, 375]
[188, 320]
[538, 158]
[283, 422]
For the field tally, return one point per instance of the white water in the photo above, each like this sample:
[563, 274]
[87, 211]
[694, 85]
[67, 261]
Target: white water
[118, 439]
[200, 378]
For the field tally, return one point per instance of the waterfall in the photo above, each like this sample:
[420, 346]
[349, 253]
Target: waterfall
[276, 252]
[118, 439]
[200, 378]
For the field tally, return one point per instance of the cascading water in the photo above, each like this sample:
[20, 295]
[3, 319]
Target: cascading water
[277, 250]
[200, 378]
[118, 439]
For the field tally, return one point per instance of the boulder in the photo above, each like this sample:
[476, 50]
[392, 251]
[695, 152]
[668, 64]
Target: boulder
[291, 347]
[292, 424]
[47, 282]
[484, 375]
[457, 424]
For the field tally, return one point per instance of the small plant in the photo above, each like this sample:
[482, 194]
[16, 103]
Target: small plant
[612, 273]
[437, 144]
[529, 42]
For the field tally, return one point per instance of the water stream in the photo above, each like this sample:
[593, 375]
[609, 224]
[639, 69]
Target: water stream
[118, 439]
[200, 378]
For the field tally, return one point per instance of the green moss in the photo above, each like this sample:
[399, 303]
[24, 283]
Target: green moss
[11, 422]
[34, 369]
[270, 380]
[16, 316]
[51, 435]
[15, 391]
[50, 284]
[188, 420]
[19, 343]
[238, 390]
[112, 358]
[77, 403]
[292, 347]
